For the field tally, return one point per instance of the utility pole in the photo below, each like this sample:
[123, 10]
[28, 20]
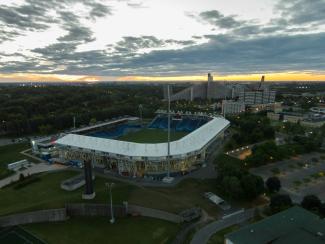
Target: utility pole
[110, 185]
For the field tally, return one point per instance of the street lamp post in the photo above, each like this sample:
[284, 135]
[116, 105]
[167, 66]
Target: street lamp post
[110, 185]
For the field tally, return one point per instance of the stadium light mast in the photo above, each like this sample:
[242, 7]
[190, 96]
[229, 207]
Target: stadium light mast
[168, 137]
[140, 112]
[110, 185]
[168, 178]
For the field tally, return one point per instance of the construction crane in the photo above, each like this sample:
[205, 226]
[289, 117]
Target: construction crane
[261, 82]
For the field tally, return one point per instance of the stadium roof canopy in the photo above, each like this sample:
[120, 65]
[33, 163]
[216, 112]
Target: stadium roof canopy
[190, 143]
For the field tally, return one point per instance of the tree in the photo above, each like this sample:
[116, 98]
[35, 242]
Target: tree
[231, 185]
[280, 202]
[322, 209]
[92, 121]
[311, 202]
[253, 185]
[273, 184]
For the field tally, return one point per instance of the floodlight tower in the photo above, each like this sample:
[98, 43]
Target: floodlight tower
[140, 112]
[168, 134]
[167, 178]
[110, 185]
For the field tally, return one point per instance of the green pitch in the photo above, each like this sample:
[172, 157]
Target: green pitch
[86, 230]
[16, 235]
[151, 136]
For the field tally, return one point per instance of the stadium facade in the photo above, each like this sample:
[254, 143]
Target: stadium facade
[148, 159]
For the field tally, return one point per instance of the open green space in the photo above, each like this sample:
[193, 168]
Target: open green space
[152, 136]
[99, 230]
[46, 193]
[16, 235]
[187, 194]
[10, 154]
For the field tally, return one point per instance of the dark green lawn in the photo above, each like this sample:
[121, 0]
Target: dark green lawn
[47, 193]
[152, 136]
[98, 230]
[10, 154]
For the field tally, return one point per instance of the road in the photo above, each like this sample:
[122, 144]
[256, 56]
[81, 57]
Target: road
[291, 173]
[204, 234]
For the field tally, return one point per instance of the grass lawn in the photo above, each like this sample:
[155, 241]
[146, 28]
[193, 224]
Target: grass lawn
[187, 194]
[219, 237]
[98, 230]
[10, 154]
[47, 193]
[151, 136]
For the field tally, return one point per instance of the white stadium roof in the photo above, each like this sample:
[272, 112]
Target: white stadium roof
[190, 143]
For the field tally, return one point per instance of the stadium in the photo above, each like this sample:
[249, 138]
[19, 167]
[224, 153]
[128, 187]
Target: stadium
[131, 148]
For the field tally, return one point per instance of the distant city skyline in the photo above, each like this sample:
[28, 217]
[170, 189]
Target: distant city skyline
[154, 40]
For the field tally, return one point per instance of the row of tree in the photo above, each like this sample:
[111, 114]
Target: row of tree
[249, 129]
[280, 202]
[269, 152]
[235, 181]
[35, 110]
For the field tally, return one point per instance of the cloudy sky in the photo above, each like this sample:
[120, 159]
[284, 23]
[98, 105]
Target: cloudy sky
[94, 40]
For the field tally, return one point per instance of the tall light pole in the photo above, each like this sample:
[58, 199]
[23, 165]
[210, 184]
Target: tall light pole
[110, 185]
[168, 137]
[74, 122]
[140, 112]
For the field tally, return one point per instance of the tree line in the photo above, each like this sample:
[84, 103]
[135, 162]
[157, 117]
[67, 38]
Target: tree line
[44, 110]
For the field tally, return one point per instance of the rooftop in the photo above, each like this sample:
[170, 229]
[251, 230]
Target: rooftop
[192, 142]
[294, 225]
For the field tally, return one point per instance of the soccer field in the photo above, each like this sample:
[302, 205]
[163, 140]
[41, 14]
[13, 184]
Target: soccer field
[17, 235]
[99, 230]
[152, 136]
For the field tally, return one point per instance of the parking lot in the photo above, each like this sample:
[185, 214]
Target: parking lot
[299, 176]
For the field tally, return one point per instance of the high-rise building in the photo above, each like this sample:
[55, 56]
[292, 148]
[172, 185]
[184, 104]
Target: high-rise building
[232, 107]
[260, 96]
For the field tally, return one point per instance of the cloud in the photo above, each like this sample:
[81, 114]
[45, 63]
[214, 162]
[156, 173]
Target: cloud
[226, 54]
[25, 17]
[216, 18]
[136, 5]
[301, 11]
[37, 15]
[76, 32]
[6, 35]
[99, 10]
[222, 53]
[131, 44]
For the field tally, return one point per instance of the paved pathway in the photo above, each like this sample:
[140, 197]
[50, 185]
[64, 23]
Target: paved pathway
[204, 234]
[34, 169]
[181, 236]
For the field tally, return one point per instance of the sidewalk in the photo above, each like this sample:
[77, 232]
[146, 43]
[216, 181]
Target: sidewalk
[204, 234]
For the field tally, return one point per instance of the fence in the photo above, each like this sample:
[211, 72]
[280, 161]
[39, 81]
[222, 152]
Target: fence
[88, 210]
[50, 215]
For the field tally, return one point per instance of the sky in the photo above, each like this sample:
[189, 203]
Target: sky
[161, 40]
